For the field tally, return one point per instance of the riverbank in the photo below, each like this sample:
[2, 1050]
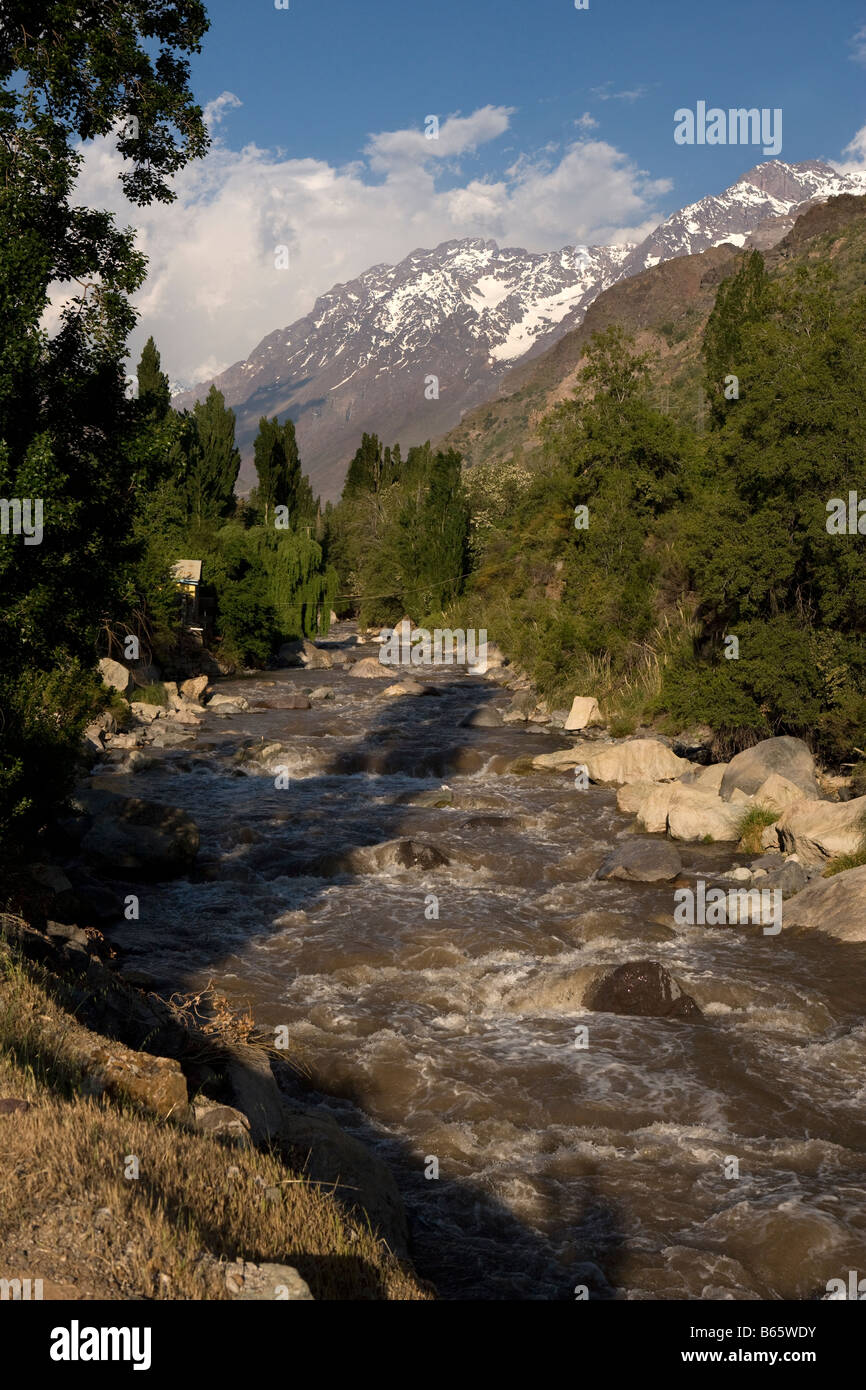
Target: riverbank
[417, 889]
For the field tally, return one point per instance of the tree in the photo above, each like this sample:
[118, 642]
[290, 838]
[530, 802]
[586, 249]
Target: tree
[282, 483]
[214, 461]
[154, 390]
[69, 73]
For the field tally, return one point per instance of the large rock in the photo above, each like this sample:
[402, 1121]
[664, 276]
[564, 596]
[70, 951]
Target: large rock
[584, 712]
[155, 1083]
[643, 988]
[820, 830]
[652, 813]
[777, 793]
[404, 687]
[360, 1179]
[141, 839]
[114, 675]
[835, 906]
[145, 713]
[483, 718]
[642, 861]
[698, 814]
[636, 760]
[387, 857]
[632, 795]
[195, 689]
[237, 702]
[370, 668]
[788, 757]
[561, 760]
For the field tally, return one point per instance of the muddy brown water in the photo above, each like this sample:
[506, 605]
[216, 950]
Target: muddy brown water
[607, 1166]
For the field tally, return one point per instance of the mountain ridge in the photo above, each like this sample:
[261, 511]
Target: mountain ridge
[407, 350]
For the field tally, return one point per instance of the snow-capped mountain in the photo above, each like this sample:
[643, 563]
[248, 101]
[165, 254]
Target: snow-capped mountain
[761, 206]
[404, 350]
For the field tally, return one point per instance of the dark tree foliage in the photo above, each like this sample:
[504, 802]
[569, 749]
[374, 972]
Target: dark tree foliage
[70, 72]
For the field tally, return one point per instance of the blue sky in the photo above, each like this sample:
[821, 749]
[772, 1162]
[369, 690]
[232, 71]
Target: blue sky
[316, 79]
[557, 129]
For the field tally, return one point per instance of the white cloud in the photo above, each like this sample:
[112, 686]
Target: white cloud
[586, 121]
[215, 110]
[858, 46]
[856, 149]
[213, 292]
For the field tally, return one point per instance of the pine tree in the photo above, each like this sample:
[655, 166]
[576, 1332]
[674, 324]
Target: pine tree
[215, 462]
[154, 390]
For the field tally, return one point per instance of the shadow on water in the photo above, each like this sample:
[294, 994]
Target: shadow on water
[302, 842]
[464, 1238]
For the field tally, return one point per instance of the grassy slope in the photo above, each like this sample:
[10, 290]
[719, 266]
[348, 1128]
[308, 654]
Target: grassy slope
[70, 1217]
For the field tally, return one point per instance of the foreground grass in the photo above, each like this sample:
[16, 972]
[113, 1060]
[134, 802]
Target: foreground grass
[70, 1216]
[756, 820]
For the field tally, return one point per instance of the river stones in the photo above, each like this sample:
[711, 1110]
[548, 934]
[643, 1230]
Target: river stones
[642, 861]
[295, 701]
[114, 675]
[583, 713]
[835, 906]
[388, 857]
[483, 718]
[641, 988]
[820, 830]
[636, 760]
[141, 839]
[370, 668]
[789, 757]
[404, 687]
[696, 814]
[695, 744]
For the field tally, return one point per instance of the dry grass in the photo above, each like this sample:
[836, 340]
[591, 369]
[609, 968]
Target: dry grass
[70, 1216]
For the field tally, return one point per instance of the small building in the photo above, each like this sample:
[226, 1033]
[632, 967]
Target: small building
[187, 576]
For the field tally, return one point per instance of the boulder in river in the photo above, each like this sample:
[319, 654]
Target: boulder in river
[370, 668]
[835, 906]
[194, 689]
[142, 839]
[635, 760]
[642, 861]
[373, 859]
[788, 757]
[696, 814]
[817, 831]
[483, 718]
[404, 687]
[643, 988]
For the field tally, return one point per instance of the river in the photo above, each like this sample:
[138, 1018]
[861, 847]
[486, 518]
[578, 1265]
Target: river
[608, 1167]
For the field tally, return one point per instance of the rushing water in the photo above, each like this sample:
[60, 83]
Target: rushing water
[558, 1166]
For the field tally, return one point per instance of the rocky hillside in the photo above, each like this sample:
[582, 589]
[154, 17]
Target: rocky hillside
[665, 308]
[467, 313]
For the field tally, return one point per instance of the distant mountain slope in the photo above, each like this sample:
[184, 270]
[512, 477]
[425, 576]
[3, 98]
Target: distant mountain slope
[466, 313]
[666, 308]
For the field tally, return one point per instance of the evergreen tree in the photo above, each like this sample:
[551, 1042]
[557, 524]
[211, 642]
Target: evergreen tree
[214, 461]
[154, 390]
